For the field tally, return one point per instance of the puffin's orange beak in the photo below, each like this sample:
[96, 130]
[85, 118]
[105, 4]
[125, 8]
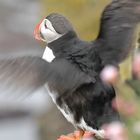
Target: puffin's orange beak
[37, 31]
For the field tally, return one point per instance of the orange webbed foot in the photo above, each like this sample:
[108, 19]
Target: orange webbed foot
[77, 135]
[67, 137]
[88, 134]
[63, 137]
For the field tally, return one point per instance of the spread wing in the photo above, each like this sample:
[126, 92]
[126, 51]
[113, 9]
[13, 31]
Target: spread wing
[22, 75]
[118, 28]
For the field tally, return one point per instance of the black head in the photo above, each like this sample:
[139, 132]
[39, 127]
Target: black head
[52, 27]
[60, 23]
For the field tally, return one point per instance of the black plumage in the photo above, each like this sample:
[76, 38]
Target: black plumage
[75, 76]
[118, 30]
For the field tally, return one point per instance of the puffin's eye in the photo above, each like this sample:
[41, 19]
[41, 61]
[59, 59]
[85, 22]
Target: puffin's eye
[45, 25]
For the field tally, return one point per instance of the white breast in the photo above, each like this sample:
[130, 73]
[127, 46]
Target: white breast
[48, 55]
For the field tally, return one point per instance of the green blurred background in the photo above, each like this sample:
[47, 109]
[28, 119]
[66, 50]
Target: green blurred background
[84, 14]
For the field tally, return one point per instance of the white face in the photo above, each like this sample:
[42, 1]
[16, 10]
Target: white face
[48, 31]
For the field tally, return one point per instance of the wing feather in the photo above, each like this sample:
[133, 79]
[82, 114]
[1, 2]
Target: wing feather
[23, 74]
[117, 30]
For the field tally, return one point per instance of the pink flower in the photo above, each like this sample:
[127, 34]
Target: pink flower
[115, 131]
[109, 74]
[125, 107]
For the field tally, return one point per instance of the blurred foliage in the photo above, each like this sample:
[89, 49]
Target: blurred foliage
[85, 16]
[129, 106]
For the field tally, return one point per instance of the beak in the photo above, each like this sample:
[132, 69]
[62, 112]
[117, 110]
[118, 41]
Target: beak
[37, 33]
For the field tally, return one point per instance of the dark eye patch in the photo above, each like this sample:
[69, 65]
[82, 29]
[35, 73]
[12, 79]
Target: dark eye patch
[45, 24]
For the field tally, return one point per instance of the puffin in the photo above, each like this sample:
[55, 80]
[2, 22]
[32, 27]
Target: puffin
[70, 68]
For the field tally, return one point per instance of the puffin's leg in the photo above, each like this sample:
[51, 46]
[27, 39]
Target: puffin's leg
[79, 134]
[89, 134]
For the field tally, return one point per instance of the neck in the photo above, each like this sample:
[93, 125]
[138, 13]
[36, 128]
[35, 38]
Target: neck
[48, 55]
[63, 43]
